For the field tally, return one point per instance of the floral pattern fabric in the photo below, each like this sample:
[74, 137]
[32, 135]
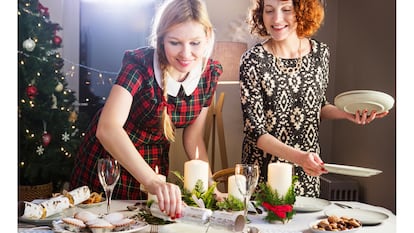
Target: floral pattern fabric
[285, 106]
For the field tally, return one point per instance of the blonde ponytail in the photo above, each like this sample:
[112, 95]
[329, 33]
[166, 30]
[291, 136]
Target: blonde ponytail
[166, 122]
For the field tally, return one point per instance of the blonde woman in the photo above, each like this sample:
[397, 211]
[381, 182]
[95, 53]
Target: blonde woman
[167, 85]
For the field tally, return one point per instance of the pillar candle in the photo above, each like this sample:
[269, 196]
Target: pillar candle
[195, 170]
[232, 187]
[279, 177]
[162, 178]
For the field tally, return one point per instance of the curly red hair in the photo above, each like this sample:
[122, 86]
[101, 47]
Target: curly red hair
[309, 16]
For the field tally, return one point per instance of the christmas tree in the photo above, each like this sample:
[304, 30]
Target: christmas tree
[49, 126]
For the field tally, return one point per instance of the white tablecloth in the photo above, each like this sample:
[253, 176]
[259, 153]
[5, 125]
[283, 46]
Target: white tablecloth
[299, 223]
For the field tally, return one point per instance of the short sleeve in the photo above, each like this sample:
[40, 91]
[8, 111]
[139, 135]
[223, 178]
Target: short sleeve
[211, 76]
[136, 66]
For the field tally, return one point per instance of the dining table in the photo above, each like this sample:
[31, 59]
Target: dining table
[301, 221]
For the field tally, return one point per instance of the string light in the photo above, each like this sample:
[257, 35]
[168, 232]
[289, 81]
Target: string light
[102, 75]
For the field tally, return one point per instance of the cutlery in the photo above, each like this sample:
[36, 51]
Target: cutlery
[258, 210]
[343, 206]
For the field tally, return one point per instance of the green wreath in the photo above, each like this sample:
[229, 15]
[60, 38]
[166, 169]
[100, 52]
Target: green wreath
[278, 208]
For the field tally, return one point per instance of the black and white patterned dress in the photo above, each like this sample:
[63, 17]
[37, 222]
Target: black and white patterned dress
[287, 107]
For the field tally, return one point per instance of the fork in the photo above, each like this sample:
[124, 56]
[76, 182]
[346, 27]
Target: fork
[154, 229]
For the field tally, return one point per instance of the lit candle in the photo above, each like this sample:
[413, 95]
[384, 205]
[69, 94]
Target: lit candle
[232, 187]
[162, 178]
[279, 177]
[195, 170]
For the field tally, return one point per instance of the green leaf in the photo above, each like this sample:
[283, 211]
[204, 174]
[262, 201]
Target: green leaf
[231, 204]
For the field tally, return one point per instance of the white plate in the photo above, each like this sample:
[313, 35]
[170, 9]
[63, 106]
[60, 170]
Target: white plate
[310, 204]
[48, 220]
[351, 170]
[322, 231]
[92, 204]
[351, 101]
[366, 217]
[58, 227]
[40, 222]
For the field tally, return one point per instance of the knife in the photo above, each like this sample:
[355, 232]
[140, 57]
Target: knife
[343, 206]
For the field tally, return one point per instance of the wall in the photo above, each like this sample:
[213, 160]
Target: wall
[366, 59]
[361, 36]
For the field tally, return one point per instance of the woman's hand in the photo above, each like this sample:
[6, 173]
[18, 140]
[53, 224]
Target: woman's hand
[364, 118]
[219, 196]
[169, 197]
[312, 164]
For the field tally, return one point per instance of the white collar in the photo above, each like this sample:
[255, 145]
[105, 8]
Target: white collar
[173, 86]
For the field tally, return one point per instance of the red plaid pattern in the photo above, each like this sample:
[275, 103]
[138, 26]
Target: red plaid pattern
[143, 123]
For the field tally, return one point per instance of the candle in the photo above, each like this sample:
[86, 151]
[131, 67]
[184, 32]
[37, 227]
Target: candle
[162, 178]
[279, 177]
[195, 170]
[232, 187]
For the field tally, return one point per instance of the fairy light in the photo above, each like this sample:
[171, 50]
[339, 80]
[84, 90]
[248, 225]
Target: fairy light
[101, 76]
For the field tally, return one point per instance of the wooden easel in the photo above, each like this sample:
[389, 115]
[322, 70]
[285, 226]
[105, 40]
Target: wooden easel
[215, 119]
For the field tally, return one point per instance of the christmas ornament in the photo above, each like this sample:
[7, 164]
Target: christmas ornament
[40, 150]
[54, 100]
[31, 91]
[46, 138]
[29, 44]
[73, 116]
[65, 137]
[57, 40]
[43, 10]
[59, 87]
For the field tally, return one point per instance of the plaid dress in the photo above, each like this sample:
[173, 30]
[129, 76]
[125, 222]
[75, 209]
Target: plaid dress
[143, 123]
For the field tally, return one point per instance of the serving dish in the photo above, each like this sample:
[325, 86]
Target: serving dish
[310, 204]
[351, 101]
[351, 170]
[314, 223]
[58, 226]
[366, 217]
[81, 205]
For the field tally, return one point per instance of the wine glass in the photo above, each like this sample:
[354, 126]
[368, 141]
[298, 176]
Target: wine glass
[246, 179]
[108, 173]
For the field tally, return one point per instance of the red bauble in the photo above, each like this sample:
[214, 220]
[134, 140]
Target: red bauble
[46, 138]
[57, 40]
[31, 91]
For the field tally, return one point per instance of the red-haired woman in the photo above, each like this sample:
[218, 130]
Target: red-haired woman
[283, 82]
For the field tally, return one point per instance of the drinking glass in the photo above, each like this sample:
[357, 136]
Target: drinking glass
[108, 173]
[246, 178]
